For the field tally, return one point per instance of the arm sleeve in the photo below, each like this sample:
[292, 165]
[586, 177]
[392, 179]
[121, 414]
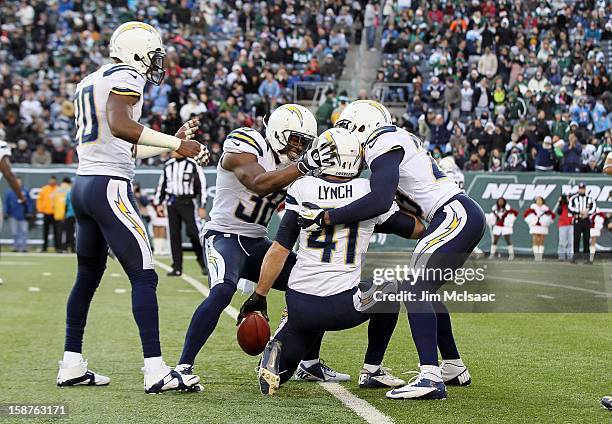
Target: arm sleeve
[571, 206]
[593, 207]
[383, 185]
[201, 179]
[289, 230]
[399, 224]
[160, 193]
[145, 152]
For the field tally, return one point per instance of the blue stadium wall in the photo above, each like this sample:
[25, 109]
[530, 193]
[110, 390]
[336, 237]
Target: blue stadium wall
[520, 189]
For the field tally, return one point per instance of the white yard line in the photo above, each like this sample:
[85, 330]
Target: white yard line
[544, 284]
[362, 408]
[230, 310]
[359, 406]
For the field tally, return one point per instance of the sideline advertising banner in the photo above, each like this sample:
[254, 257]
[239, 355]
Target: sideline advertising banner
[519, 189]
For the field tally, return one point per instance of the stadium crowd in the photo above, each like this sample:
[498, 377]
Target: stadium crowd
[229, 62]
[513, 86]
[503, 85]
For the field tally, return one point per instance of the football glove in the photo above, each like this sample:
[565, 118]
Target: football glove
[321, 156]
[311, 219]
[203, 157]
[255, 303]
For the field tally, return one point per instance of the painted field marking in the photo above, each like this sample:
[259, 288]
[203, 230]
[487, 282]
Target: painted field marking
[359, 406]
[544, 284]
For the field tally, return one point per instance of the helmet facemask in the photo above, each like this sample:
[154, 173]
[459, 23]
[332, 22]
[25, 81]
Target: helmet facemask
[155, 67]
[295, 144]
[352, 128]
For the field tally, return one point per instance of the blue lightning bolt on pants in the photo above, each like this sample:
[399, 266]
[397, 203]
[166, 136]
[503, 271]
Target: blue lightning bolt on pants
[107, 216]
[453, 233]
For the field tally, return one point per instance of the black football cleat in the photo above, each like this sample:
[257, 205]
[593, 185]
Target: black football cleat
[269, 378]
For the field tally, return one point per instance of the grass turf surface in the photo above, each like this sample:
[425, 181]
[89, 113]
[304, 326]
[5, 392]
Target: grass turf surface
[526, 367]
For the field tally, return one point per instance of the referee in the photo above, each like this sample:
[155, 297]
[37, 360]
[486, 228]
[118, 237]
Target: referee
[179, 187]
[582, 207]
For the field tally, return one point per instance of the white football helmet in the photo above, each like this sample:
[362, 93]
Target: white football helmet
[447, 164]
[362, 117]
[140, 45]
[290, 130]
[350, 153]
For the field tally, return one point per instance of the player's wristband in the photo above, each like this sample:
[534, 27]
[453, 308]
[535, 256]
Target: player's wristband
[149, 137]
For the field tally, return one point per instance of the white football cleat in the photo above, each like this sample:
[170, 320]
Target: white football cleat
[79, 375]
[379, 378]
[186, 370]
[319, 372]
[420, 387]
[165, 379]
[455, 375]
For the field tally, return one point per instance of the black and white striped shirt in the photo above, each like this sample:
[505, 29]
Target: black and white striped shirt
[181, 178]
[578, 203]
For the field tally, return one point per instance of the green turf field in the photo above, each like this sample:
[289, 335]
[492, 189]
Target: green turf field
[526, 367]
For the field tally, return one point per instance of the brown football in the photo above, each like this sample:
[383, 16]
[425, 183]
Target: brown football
[253, 333]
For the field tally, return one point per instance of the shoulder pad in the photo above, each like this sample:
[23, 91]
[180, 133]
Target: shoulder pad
[378, 132]
[122, 67]
[249, 137]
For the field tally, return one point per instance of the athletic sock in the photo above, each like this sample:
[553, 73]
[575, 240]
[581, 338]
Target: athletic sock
[145, 310]
[371, 368]
[314, 353]
[71, 359]
[592, 251]
[444, 332]
[205, 319]
[311, 362]
[153, 364]
[455, 362]
[432, 372]
[493, 250]
[510, 251]
[536, 251]
[423, 325]
[89, 274]
[380, 330]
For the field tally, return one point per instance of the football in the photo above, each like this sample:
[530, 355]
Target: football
[253, 333]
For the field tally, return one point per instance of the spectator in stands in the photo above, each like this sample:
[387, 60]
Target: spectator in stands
[369, 24]
[480, 98]
[572, 155]
[22, 154]
[545, 158]
[466, 99]
[440, 135]
[44, 206]
[19, 215]
[41, 156]
[329, 68]
[452, 99]
[487, 64]
[324, 112]
[269, 88]
[474, 164]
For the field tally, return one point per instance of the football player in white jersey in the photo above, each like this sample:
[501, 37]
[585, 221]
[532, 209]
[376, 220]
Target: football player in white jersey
[449, 167]
[108, 105]
[403, 170]
[7, 172]
[322, 291]
[252, 175]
